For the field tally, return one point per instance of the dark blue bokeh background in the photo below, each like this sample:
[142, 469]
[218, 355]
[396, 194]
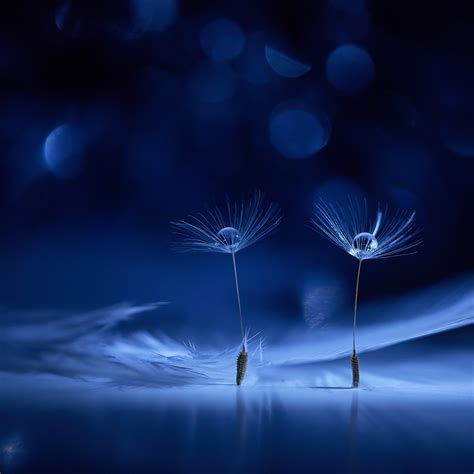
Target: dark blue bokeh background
[116, 118]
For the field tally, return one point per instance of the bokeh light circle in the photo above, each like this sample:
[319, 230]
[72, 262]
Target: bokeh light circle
[222, 40]
[284, 65]
[350, 69]
[62, 151]
[155, 15]
[298, 134]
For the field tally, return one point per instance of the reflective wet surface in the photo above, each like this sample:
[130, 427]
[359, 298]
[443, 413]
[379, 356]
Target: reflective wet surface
[72, 426]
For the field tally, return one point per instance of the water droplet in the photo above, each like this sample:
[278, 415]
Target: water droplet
[230, 238]
[363, 245]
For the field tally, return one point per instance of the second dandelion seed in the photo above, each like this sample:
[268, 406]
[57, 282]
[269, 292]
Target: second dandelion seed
[241, 224]
[351, 229]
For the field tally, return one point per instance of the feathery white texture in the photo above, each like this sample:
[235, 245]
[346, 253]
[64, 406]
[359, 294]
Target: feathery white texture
[240, 225]
[352, 230]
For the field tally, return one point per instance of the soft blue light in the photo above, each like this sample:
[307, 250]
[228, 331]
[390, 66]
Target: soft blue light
[66, 21]
[407, 199]
[63, 148]
[322, 298]
[222, 40]
[213, 83]
[100, 353]
[350, 69]
[298, 134]
[154, 15]
[283, 65]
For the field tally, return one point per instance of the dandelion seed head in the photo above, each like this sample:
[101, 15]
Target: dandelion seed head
[352, 229]
[241, 224]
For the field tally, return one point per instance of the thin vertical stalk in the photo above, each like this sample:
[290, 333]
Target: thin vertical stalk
[238, 296]
[355, 309]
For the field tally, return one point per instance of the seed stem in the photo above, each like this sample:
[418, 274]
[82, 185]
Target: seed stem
[355, 309]
[238, 298]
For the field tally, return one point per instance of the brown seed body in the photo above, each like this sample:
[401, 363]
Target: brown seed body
[355, 370]
[241, 366]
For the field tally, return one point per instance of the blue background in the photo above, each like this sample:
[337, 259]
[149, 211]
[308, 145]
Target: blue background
[117, 118]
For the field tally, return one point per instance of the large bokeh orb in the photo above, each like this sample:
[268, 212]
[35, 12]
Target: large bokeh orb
[154, 15]
[63, 150]
[350, 69]
[298, 134]
[222, 39]
[285, 65]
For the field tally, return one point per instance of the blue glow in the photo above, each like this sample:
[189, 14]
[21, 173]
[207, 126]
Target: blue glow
[63, 148]
[10, 452]
[65, 21]
[122, 115]
[100, 354]
[298, 134]
[283, 65]
[213, 83]
[323, 298]
[350, 69]
[155, 15]
[408, 200]
[222, 40]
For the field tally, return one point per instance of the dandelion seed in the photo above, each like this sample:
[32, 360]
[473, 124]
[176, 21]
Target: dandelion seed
[239, 226]
[352, 230]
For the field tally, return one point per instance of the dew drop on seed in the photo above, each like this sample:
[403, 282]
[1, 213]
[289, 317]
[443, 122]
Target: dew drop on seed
[364, 244]
[230, 238]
